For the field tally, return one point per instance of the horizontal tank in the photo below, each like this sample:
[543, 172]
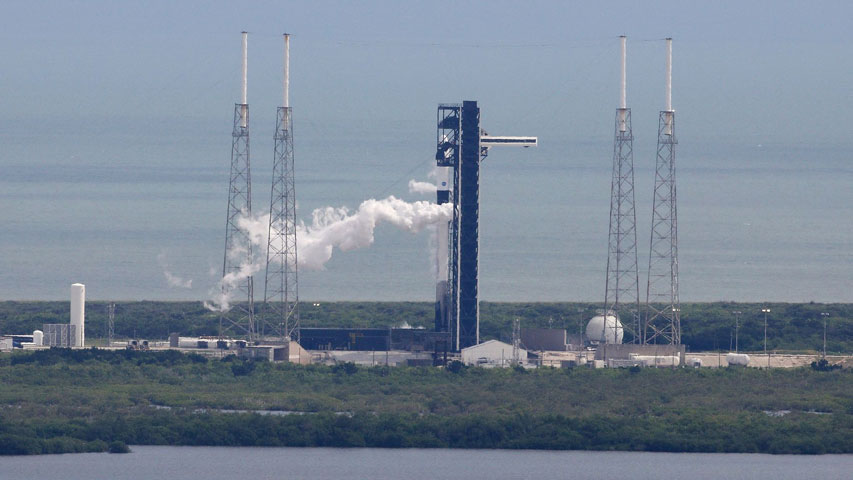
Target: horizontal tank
[657, 360]
[739, 359]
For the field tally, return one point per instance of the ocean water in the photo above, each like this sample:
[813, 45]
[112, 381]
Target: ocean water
[116, 212]
[416, 464]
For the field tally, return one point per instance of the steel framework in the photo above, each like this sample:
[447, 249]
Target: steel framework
[281, 288]
[516, 341]
[111, 325]
[238, 245]
[281, 291]
[622, 288]
[458, 140]
[663, 310]
[448, 142]
[238, 262]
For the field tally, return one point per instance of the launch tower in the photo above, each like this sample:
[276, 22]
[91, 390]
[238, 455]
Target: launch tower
[461, 146]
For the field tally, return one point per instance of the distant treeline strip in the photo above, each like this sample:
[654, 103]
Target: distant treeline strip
[706, 326]
[746, 433]
[64, 400]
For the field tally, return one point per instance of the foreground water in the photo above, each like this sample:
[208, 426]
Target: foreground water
[416, 464]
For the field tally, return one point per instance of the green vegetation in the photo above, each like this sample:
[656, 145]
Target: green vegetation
[706, 326]
[85, 400]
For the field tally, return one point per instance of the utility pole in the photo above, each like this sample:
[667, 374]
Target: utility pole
[766, 311]
[737, 314]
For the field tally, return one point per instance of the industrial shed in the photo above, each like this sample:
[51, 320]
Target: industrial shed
[493, 353]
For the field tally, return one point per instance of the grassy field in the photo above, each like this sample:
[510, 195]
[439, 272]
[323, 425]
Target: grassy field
[60, 400]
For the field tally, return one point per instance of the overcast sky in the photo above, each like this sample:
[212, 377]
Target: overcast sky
[123, 91]
[775, 70]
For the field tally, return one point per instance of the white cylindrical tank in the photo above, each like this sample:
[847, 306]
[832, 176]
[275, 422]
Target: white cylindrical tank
[739, 359]
[38, 337]
[600, 331]
[78, 313]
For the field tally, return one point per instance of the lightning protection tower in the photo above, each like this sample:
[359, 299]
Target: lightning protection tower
[663, 310]
[238, 259]
[281, 293]
[622, 288]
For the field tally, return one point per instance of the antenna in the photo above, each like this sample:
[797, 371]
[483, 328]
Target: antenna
[668, 95]
[623, 98]
[245, 70]
[668, 75]
[286, 93]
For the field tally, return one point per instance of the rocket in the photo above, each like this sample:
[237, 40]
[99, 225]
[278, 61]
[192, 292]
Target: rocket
[442, 294]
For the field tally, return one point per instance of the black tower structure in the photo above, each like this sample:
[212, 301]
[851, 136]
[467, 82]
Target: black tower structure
[462, 145]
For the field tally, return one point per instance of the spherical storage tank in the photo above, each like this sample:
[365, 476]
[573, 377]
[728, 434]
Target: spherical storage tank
[599, 332]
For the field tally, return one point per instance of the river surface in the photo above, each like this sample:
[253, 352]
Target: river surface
[211, 463]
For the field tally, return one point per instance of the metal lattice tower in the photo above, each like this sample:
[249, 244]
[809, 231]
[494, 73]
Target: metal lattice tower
[449, 129]
[238, 246]
[111, 323]
[516, 341]
[622, 288]
[281, 292]
[663, 309]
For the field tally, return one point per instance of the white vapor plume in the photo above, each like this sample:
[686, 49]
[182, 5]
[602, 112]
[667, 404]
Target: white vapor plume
[225, 289]
[336, 227]
[172, 279]
[423, 188]
[330, 228]
[227, 285]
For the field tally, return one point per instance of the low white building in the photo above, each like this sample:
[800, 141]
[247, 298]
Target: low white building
[493, 353]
